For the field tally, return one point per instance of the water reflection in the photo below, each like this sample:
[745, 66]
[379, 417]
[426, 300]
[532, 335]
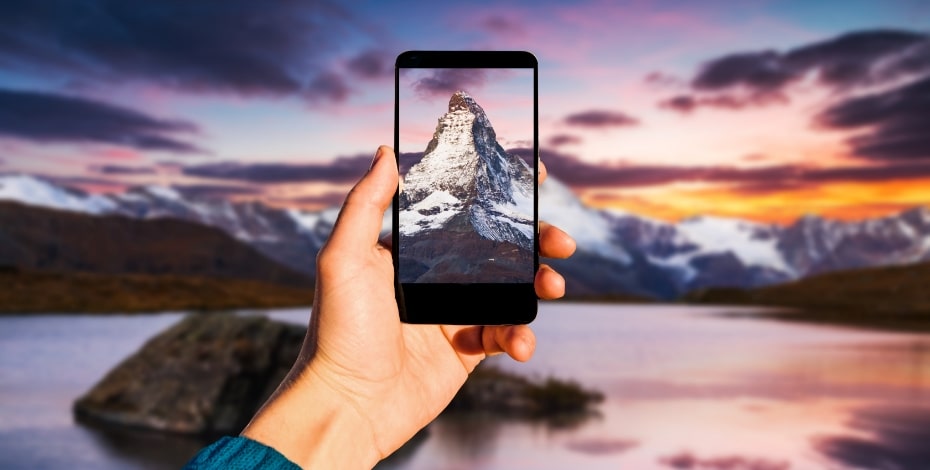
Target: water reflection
[601, 446]
[883, 438]
[144, 449]
[684, 390]
[688, 461]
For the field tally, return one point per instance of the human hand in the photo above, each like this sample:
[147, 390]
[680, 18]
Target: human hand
[364, 382]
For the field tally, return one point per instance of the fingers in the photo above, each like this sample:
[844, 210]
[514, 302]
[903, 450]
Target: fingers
[543, 173]
[554, 243]
[359, 222]
[549, 284]
[518, 341]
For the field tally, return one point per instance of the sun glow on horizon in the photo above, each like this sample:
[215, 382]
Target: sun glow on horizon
[839, 201]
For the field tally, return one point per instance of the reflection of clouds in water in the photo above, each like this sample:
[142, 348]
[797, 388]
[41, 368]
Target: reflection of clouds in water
[689, 461]
[763, 386]
[601, 446]
[900, 440]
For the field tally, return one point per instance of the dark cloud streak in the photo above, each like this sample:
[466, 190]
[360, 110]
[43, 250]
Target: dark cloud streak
[600, 118]
[856, 58]
[842, 63]
[688, 102]
[443, 82]
[559, 140]
[339, 170]
[47, 117]
[580, 174]
[898, 121]
[328, 199]
[210, 191]
[123, 170]
[372, 64]
[229, 46]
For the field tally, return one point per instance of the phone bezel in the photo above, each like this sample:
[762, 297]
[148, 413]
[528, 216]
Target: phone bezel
[475, 303]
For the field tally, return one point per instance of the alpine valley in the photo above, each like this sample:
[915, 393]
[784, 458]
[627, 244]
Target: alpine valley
[619, 254]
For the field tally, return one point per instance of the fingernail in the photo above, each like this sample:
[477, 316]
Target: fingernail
[377, 157]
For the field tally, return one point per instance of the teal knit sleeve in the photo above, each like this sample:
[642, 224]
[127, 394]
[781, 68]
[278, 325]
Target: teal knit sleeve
[239, 453]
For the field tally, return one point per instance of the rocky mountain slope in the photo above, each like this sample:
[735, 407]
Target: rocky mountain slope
[466, 208]
[40, 239]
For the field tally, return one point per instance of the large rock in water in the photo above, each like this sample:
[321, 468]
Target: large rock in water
[208, 374]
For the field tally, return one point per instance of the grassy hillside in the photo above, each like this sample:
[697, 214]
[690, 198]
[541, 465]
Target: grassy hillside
[39, 239]
[66, 292]
[894, 297]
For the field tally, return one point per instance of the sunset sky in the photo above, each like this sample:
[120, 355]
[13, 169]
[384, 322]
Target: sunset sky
[760, 109]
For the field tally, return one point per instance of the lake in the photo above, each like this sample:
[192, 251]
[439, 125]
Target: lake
[685, 388]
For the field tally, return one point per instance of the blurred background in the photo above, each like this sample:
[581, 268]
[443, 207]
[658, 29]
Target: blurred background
[749, 184]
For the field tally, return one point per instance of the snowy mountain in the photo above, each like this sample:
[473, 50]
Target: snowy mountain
[465, 171]
[290, 237]
[617, 252]
[37, 192]
[466, 208]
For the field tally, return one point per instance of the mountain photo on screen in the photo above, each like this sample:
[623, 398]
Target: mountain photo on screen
[466, 207]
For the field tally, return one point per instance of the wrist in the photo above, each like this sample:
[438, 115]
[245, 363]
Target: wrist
[314, 427]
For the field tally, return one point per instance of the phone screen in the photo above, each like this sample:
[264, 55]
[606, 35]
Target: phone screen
[466, 206]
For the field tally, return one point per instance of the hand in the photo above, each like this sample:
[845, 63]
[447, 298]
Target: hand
[364, 382]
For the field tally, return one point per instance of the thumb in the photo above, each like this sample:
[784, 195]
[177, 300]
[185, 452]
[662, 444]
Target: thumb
[359, 221]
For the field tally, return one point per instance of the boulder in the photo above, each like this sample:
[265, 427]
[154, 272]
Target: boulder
[206, 375]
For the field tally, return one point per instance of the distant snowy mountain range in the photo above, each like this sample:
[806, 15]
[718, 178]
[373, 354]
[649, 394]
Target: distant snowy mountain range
[618, 253]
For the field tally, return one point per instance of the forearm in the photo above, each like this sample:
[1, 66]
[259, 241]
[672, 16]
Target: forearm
[311, 425]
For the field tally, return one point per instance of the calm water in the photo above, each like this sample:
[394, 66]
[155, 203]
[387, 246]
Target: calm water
[685, 390]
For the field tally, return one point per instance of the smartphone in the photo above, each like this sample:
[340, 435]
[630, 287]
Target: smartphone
[466, 231]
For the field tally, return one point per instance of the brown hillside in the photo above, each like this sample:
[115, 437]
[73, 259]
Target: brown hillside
[896, 296]
[34, 238]
[67, 292]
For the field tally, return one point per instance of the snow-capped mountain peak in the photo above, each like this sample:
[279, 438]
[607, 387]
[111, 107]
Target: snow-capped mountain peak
[464, 170]
[754, 244]
[35, 191]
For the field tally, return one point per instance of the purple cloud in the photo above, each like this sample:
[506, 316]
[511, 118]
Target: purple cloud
[444, 82]
[49, 117]
[327, 86]
[122, 170]
[600, 118]
[855, 59]
[689, 102]
[559, 140]
[339, 170]
[216, 191]
[897, 120]
[372, 64]
[327, 199]
[580, 174]
[503, 26]
[233, 46]
[407, 160]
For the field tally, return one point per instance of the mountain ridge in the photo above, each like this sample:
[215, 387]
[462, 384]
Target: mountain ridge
[617, 253]
[466, 208]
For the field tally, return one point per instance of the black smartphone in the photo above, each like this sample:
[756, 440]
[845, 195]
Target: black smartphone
[466, 231]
